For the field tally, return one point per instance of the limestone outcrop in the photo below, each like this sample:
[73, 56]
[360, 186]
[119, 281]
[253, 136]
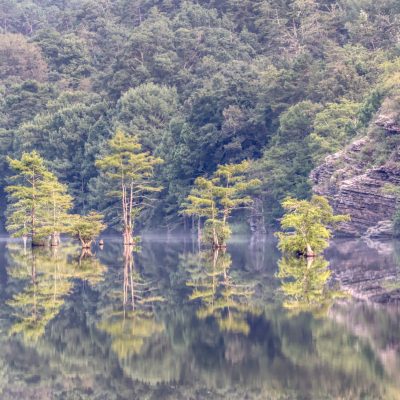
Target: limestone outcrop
[356, 186]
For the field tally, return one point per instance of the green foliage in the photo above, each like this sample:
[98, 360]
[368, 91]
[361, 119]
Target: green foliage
[201, 201]
[334, 127]
[39, 203]
[67, 56]
[216, 232]
[87, 228]
[305, 284]
[22, 101]
[287, 162]
[307, 225]
[29, 194]
[59, 204]
[128, 173]
[232, 187]
[70, 135]
[371, 105]
[216, 198]
[147, 110]
[199, 84]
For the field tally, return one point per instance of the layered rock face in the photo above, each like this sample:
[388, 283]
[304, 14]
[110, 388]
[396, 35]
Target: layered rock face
[356, 189]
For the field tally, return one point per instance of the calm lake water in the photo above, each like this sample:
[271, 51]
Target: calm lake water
[170, 322]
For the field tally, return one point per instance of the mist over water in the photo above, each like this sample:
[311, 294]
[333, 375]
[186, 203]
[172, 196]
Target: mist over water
[172, 322]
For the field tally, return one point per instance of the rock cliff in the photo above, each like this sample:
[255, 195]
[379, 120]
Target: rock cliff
[354, 180]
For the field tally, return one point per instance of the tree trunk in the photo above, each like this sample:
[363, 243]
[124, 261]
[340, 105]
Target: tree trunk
[86, 244]
[128, 237]
[85, 253]
[37, 242]
[55, 239]
[215, 238]
[256, 219]
[310, 252]
[199, 230]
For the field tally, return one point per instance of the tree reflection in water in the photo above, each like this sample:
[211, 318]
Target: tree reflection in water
[47, 277]
[217, 334]
[220, 296]
[305, 284]
[132, 321]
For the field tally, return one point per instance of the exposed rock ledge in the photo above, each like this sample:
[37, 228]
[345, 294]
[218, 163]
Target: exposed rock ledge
[355, 189]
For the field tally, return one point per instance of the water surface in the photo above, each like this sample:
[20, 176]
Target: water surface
[170, 322]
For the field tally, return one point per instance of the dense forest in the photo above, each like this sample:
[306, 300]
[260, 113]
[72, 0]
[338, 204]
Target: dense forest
[281, 83]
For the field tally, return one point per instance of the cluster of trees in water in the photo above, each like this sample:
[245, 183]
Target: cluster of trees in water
[200, 84]
[39, 204]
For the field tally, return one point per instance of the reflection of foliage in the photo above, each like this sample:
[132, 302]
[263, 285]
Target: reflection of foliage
[49, 279]
[43, 296]
[324, 349]
[165, 345]
[129, 329]
[228, 302]
[88, 268]
[305, 284]
[4, 378]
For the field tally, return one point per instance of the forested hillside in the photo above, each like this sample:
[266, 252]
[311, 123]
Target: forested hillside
[280, 82]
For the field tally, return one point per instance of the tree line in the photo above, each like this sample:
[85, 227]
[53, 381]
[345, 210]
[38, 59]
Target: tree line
[201, 84]
[40, 206]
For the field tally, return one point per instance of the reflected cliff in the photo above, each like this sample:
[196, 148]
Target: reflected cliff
[369, 270]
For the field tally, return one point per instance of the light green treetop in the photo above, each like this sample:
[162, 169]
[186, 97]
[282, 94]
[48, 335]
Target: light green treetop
[27, 212]
[39, 202]
[216, 198]
[232, 187]
[307, 225]
[132, 170]
[59, 203]
[87, 228]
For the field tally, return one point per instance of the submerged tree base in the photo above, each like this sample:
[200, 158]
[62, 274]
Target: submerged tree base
[55, 240]
[301, 254]
[39, 243]
[310, 252]
[129, 239]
